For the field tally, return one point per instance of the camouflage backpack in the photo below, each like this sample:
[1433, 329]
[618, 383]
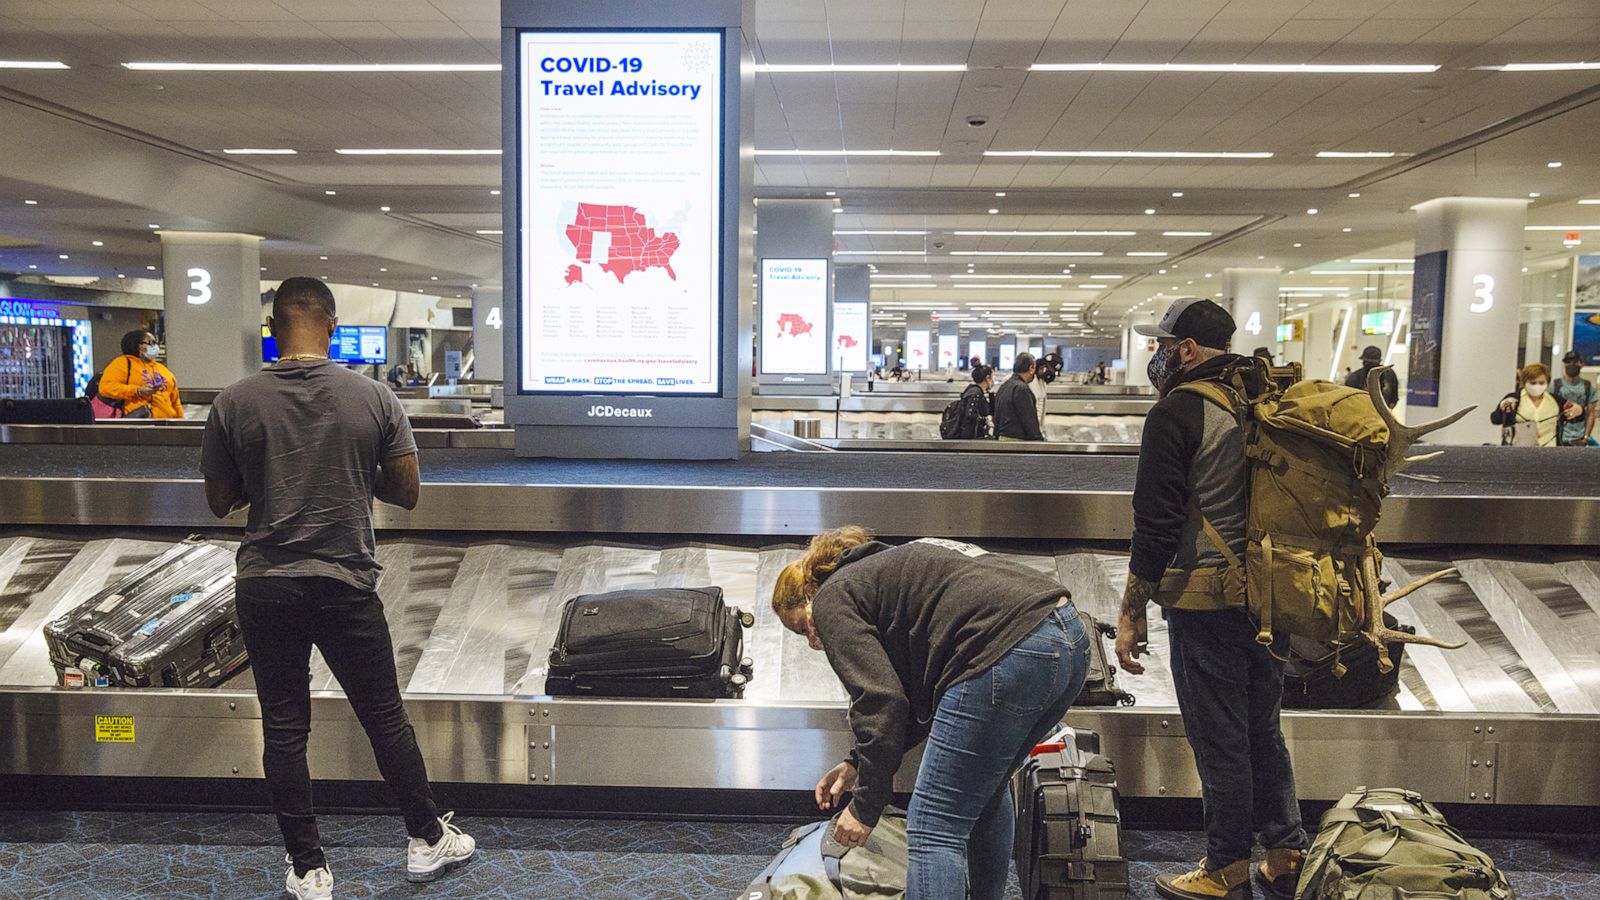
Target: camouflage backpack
[1321, 456]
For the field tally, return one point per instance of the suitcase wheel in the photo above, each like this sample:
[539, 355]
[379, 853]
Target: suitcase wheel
[739, 680]
[747, 619]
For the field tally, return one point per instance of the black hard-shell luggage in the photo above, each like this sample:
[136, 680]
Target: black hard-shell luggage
[1069, 830]
[1311, 679]
[170, 623]
[1100, 685]
[652, 642]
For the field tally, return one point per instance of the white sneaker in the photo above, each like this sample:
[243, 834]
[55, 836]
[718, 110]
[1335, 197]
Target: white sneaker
[454, 850]
[316, 884]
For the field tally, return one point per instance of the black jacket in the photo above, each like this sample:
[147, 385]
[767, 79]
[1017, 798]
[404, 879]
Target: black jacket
[1015, 413]
[1191, 447]
[1388, 382]
[975, 409]
[901, 625]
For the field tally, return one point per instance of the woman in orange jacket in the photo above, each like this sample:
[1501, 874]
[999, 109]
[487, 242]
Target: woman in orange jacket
[141, 383]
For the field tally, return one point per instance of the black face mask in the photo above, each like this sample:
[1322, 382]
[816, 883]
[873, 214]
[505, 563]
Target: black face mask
[1573, 371]
[1164, 370]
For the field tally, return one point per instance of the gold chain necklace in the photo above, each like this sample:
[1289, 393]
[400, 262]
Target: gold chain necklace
[301, 357]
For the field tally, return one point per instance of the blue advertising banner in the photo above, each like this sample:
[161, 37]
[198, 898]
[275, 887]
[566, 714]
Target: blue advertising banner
[1427, 328]
[1586, 336]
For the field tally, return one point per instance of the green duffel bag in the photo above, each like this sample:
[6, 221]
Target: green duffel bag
[1390, 844]
[812, 866]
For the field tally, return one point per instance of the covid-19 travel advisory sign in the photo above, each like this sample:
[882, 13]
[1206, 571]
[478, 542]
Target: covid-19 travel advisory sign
[621, 180]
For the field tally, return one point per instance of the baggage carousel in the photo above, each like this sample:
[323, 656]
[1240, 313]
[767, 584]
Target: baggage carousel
[474, 579]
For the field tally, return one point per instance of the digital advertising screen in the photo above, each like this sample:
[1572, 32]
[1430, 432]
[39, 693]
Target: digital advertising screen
[916, 348]
[1008, 356]
[850, 336]
[1381, 322]
[1586, 335]
[794, 316]
[357, 345]
[949, 349]
[620, 168]
[980, 349]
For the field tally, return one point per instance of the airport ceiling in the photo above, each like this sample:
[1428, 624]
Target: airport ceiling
[109, 152]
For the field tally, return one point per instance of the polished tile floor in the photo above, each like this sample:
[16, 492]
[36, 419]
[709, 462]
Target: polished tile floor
[133, 856]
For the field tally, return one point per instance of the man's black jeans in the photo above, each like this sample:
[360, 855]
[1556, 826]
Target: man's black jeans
[282, 619]
[1230, 690]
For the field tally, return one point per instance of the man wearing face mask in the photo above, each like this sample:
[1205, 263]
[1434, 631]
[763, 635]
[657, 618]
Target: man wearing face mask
[1188, 535]
[1579, 390]
[141, 386]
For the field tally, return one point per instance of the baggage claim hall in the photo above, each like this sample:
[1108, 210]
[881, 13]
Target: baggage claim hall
[799, 449]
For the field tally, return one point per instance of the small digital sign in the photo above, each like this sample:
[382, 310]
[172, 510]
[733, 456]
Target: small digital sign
[357, 345]
[1381, 322]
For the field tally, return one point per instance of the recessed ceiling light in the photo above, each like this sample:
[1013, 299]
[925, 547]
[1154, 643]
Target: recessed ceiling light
[1298, 244]
[1024, 253]
[1544, 67]
[490, 230]
[98, 243]
[1353, 194]
[1346, 230]
[433, 277]
[1312, 211]
[839, 67]
[495, 192]
[1161, 271]
[32, 64]
[415, 151]
[383, 209]
[1534, 195]
[1553, 164]
[331, 193]
[1149, 212]
[374, 284]
[1383, 261]
[1186, 234]
[1355, 154]
[993, 211]
[837, 210]
[120, 275]
[830, 193]
[999, 233]
[883, 231]
[309, 67]
[1177, 193]
[1261, 257]
[1241, 68]
[150, 268]
[32, 266]
[1132, 154]
[1589, 202]
[1107, 277]
[263, 268]
[847, 153]
[64, 256]
[999, 193]
[1147, 253]
[154, 225]
[259, 151]
[31, 202]
[382, 269]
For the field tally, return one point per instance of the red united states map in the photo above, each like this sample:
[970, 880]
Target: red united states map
[635, 246]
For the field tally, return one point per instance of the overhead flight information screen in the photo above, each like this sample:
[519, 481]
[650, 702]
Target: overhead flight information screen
[620, 142]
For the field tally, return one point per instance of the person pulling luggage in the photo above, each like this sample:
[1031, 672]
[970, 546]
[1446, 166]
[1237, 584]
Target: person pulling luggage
[936, 639]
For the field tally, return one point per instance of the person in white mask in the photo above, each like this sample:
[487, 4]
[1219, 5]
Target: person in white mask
[1533, 416]
[138, 384]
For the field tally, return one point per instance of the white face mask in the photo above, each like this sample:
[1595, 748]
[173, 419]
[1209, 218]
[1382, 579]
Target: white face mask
[151, 351]
[1537, 390]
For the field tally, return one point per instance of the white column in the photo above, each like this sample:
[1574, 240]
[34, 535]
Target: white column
[1251, 295]
[1466, 296]
[211, 302]
[488, 338]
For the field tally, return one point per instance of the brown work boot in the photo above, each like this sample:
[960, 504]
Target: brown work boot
[1279, 876]
[1228, 883]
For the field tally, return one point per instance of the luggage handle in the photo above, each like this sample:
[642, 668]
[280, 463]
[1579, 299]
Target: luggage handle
[221, 639]
[832, 853]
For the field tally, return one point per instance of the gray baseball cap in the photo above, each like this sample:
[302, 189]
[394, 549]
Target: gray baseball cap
[1196, 318]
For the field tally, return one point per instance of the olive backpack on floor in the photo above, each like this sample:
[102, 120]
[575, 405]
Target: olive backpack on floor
[1390, 844]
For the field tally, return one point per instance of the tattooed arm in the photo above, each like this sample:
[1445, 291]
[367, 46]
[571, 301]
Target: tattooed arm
[1132, 626]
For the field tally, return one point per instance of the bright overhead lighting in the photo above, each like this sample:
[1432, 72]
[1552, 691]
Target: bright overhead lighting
[1553, 164]
[999, 233]
[1534, 195]
[331, 193]
[880, 253]
[1544, 67]
[1011, 287]
[1026, 253]
[98, 243]
[900, 286]
[414, 151]
[1186, 234]
[489, 231]
[309, 67]
[32, 64]
[1105, 277]
[1355, 154]
[1147, 253]
[847, 153]
[1383, 261]
[1177, 193]
[1149, 212]
[905, 277]
[970, 275]
[882, 232]
[64, 256]
[1353, 194]
[1240, 68]
[1580, 202]
[150, 268]
[1359, 272]
[154, 225]
[1134, 154]
[851, 67]
[259, 151]
[1562, 228]
[999, 193]
[1312, 211]
[30, 202]
[383, 209]
[994, 212]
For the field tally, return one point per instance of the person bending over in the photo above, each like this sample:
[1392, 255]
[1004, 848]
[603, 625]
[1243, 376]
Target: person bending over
[942, 640]
[307, 444]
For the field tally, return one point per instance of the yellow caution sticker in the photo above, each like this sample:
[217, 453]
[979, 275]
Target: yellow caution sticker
[113, 729]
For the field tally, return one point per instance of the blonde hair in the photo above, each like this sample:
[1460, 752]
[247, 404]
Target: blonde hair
[1533, 371]
[799, 580]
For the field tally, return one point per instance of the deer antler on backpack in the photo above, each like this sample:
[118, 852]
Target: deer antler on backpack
[1401, 435]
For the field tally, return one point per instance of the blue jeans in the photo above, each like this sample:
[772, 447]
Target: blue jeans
[1230, 690]
[961, 823]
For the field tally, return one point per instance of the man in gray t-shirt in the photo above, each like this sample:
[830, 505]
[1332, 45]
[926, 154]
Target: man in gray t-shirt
[308, 444]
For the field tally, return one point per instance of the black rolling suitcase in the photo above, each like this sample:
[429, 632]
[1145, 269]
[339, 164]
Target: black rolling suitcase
[170, 623]
[1100, 685]
[1311, 679]
[1069, 831]
[653, 642]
